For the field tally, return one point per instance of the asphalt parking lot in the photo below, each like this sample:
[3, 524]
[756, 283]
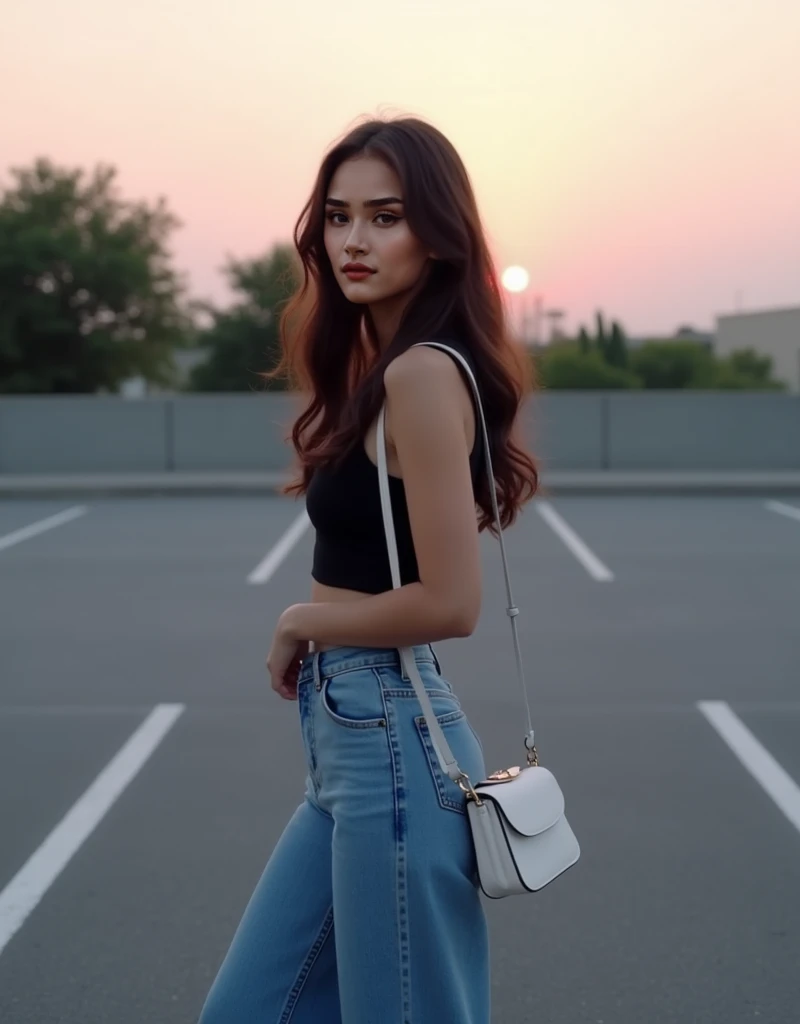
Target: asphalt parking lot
[146, 768]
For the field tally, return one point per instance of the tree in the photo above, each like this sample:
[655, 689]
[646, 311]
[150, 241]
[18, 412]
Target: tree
[566, 367]
[613, 347]
[243, 340]
[601, 340]
[673, 364]
[746, 370]
[87, 294]
[616, 353]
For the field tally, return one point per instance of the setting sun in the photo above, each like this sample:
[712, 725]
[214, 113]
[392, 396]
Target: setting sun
[515, 279]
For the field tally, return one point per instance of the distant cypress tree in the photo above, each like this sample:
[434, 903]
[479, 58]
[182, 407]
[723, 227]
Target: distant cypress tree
[616, 347]
[601, 340]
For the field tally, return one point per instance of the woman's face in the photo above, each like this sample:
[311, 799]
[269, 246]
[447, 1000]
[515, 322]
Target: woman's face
[365, 225]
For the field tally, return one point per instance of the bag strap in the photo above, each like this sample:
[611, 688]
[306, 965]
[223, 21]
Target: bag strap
[443, 752]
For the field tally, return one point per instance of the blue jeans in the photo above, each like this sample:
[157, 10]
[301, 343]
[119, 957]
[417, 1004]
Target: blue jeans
[368, 911]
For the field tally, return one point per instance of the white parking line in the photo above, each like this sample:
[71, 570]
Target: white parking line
[783, 510]
[43, 524]
[587, 558]
[32, 881]
[264, 570]
[756, 758]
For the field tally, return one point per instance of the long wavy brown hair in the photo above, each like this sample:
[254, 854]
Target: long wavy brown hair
[329, 347]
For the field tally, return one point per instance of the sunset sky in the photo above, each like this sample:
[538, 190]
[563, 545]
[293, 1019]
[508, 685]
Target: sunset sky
[637, 156]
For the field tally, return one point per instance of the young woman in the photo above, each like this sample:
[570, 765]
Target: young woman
[368, 911]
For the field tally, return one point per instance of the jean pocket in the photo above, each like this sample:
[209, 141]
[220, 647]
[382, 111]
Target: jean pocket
[354, 699]
[456, 730]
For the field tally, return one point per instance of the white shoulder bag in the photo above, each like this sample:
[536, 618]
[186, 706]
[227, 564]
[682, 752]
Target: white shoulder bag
[522, 839]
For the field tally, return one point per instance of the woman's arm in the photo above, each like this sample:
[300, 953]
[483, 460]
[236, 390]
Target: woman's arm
[426, 410]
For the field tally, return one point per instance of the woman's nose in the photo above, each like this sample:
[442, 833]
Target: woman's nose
[354, 244]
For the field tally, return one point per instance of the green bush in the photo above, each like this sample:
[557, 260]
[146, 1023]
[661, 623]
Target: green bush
[673, 364]
[566, 366]
[605, 361]
[746, 370]
[687, 364]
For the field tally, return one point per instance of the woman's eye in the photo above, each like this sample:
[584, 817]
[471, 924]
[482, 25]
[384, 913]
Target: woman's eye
[337, 217]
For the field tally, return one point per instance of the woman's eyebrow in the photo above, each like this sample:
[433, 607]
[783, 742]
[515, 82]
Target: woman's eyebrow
[386, 201]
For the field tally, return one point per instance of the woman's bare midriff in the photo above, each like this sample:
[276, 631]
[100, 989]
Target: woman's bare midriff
[321, 592]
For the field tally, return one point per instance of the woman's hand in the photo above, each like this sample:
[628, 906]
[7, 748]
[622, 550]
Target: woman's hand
[284, 658]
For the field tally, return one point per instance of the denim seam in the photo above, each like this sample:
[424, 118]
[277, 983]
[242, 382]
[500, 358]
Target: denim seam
[477, 739]
[319, 810]
[450, 718]
[445, 719]
[354, 666]
[401, 861]
[412, 694]
[307, 725]
[302, 976]
[361, 663]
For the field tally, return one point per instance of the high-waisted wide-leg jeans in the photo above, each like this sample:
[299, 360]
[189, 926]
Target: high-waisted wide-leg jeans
[368, 911]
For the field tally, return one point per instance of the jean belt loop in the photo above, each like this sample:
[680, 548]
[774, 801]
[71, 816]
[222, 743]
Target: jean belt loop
[403, 676]
[317, 676]
[435, 660]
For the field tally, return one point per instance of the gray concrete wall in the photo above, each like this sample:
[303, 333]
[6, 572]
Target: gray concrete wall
[567, 430]
[232, 432]
[703, 430]
[83, 434]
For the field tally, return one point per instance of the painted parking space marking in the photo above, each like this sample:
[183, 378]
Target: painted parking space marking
[264, 571]
[591, 563]
[29, 885]
[41, 526]
[783, 509]
[770, 775]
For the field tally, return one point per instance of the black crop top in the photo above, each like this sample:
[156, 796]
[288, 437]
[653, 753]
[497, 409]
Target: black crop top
[344, 506]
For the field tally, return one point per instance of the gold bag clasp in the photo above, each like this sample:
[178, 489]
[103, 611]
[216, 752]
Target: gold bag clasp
[504, 774]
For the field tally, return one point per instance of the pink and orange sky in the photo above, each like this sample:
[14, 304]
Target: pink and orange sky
[637, 156]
